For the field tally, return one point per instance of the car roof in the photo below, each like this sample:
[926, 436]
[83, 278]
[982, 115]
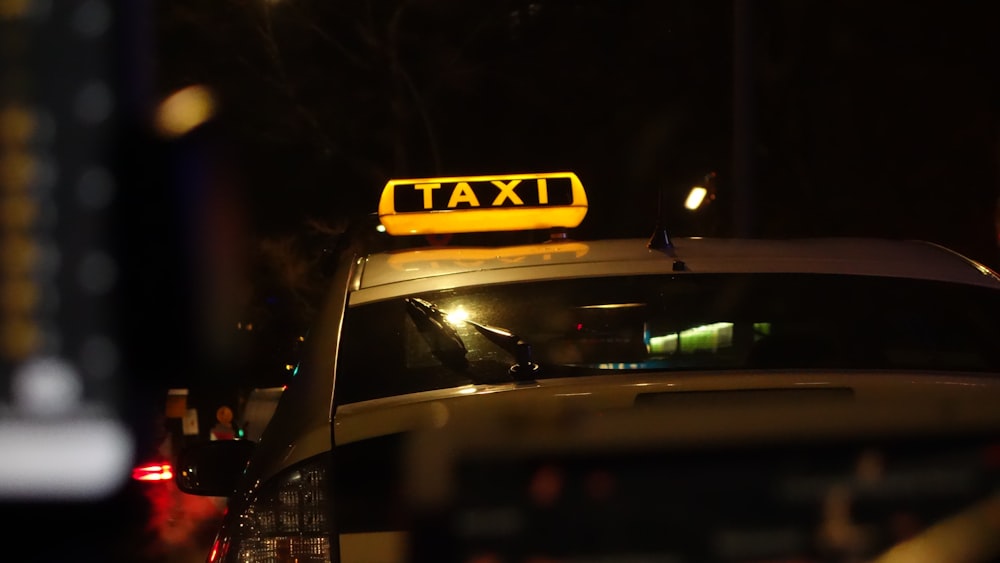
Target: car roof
[391, 273]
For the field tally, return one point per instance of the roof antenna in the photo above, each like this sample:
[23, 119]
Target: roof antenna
[660, 239]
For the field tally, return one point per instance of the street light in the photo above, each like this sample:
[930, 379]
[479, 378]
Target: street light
[695, 197]
[700, 193]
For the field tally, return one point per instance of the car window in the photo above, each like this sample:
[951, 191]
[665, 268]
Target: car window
[586, 326]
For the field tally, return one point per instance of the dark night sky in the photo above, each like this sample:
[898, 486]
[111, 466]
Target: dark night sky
[868, 118]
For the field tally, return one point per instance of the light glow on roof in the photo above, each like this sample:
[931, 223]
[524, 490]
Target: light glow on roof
[436, 258]
[614, 306]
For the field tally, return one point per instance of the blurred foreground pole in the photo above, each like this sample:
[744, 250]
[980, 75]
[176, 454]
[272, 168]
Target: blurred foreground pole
[743, 122]
[61, 434]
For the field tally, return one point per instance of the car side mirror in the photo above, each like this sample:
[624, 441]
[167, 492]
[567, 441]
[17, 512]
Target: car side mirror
[212, 468]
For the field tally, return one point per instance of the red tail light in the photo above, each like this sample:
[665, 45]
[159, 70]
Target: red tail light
[153, 472]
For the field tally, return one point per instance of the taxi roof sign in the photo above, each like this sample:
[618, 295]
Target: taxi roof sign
[471, 204]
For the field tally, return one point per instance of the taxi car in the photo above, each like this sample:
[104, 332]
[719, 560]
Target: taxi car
[460, 323]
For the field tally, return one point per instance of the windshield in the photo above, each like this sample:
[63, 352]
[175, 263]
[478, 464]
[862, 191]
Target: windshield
[585, 326]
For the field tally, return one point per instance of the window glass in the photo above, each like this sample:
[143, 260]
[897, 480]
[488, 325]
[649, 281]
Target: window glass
[579, 327]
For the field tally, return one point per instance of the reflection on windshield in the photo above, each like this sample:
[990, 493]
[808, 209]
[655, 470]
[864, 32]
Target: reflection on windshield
[693, 322]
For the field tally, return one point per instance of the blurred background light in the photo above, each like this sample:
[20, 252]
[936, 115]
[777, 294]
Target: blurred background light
[184, 110]
[695, 198]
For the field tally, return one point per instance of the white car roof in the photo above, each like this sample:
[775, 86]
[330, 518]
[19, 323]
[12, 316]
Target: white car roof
[390, 274]
[306, 424]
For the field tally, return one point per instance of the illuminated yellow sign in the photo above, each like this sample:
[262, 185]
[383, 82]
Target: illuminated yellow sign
[471, 204]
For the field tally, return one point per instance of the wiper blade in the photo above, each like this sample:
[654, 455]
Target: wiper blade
[448, 347]
[523, 369]
[441, 337]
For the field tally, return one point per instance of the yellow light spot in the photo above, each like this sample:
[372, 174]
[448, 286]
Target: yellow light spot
[11, 9]
[17, 124]
[695, 197]
[19, 296]
[458, 316]
[17, 170]
[184, 110]
[19, 338]
[19, 255]
[18, 212]
[289, 367]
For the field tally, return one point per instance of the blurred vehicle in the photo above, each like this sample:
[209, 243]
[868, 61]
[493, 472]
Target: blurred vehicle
[174, 524]
[155, 463]
[452, 325]
[903, 483]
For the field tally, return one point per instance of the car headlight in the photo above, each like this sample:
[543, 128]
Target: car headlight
[288, 521]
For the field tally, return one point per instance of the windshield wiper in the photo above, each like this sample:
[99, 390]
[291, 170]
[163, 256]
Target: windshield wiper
[444, 341]
[447, 346]
[523, 370]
